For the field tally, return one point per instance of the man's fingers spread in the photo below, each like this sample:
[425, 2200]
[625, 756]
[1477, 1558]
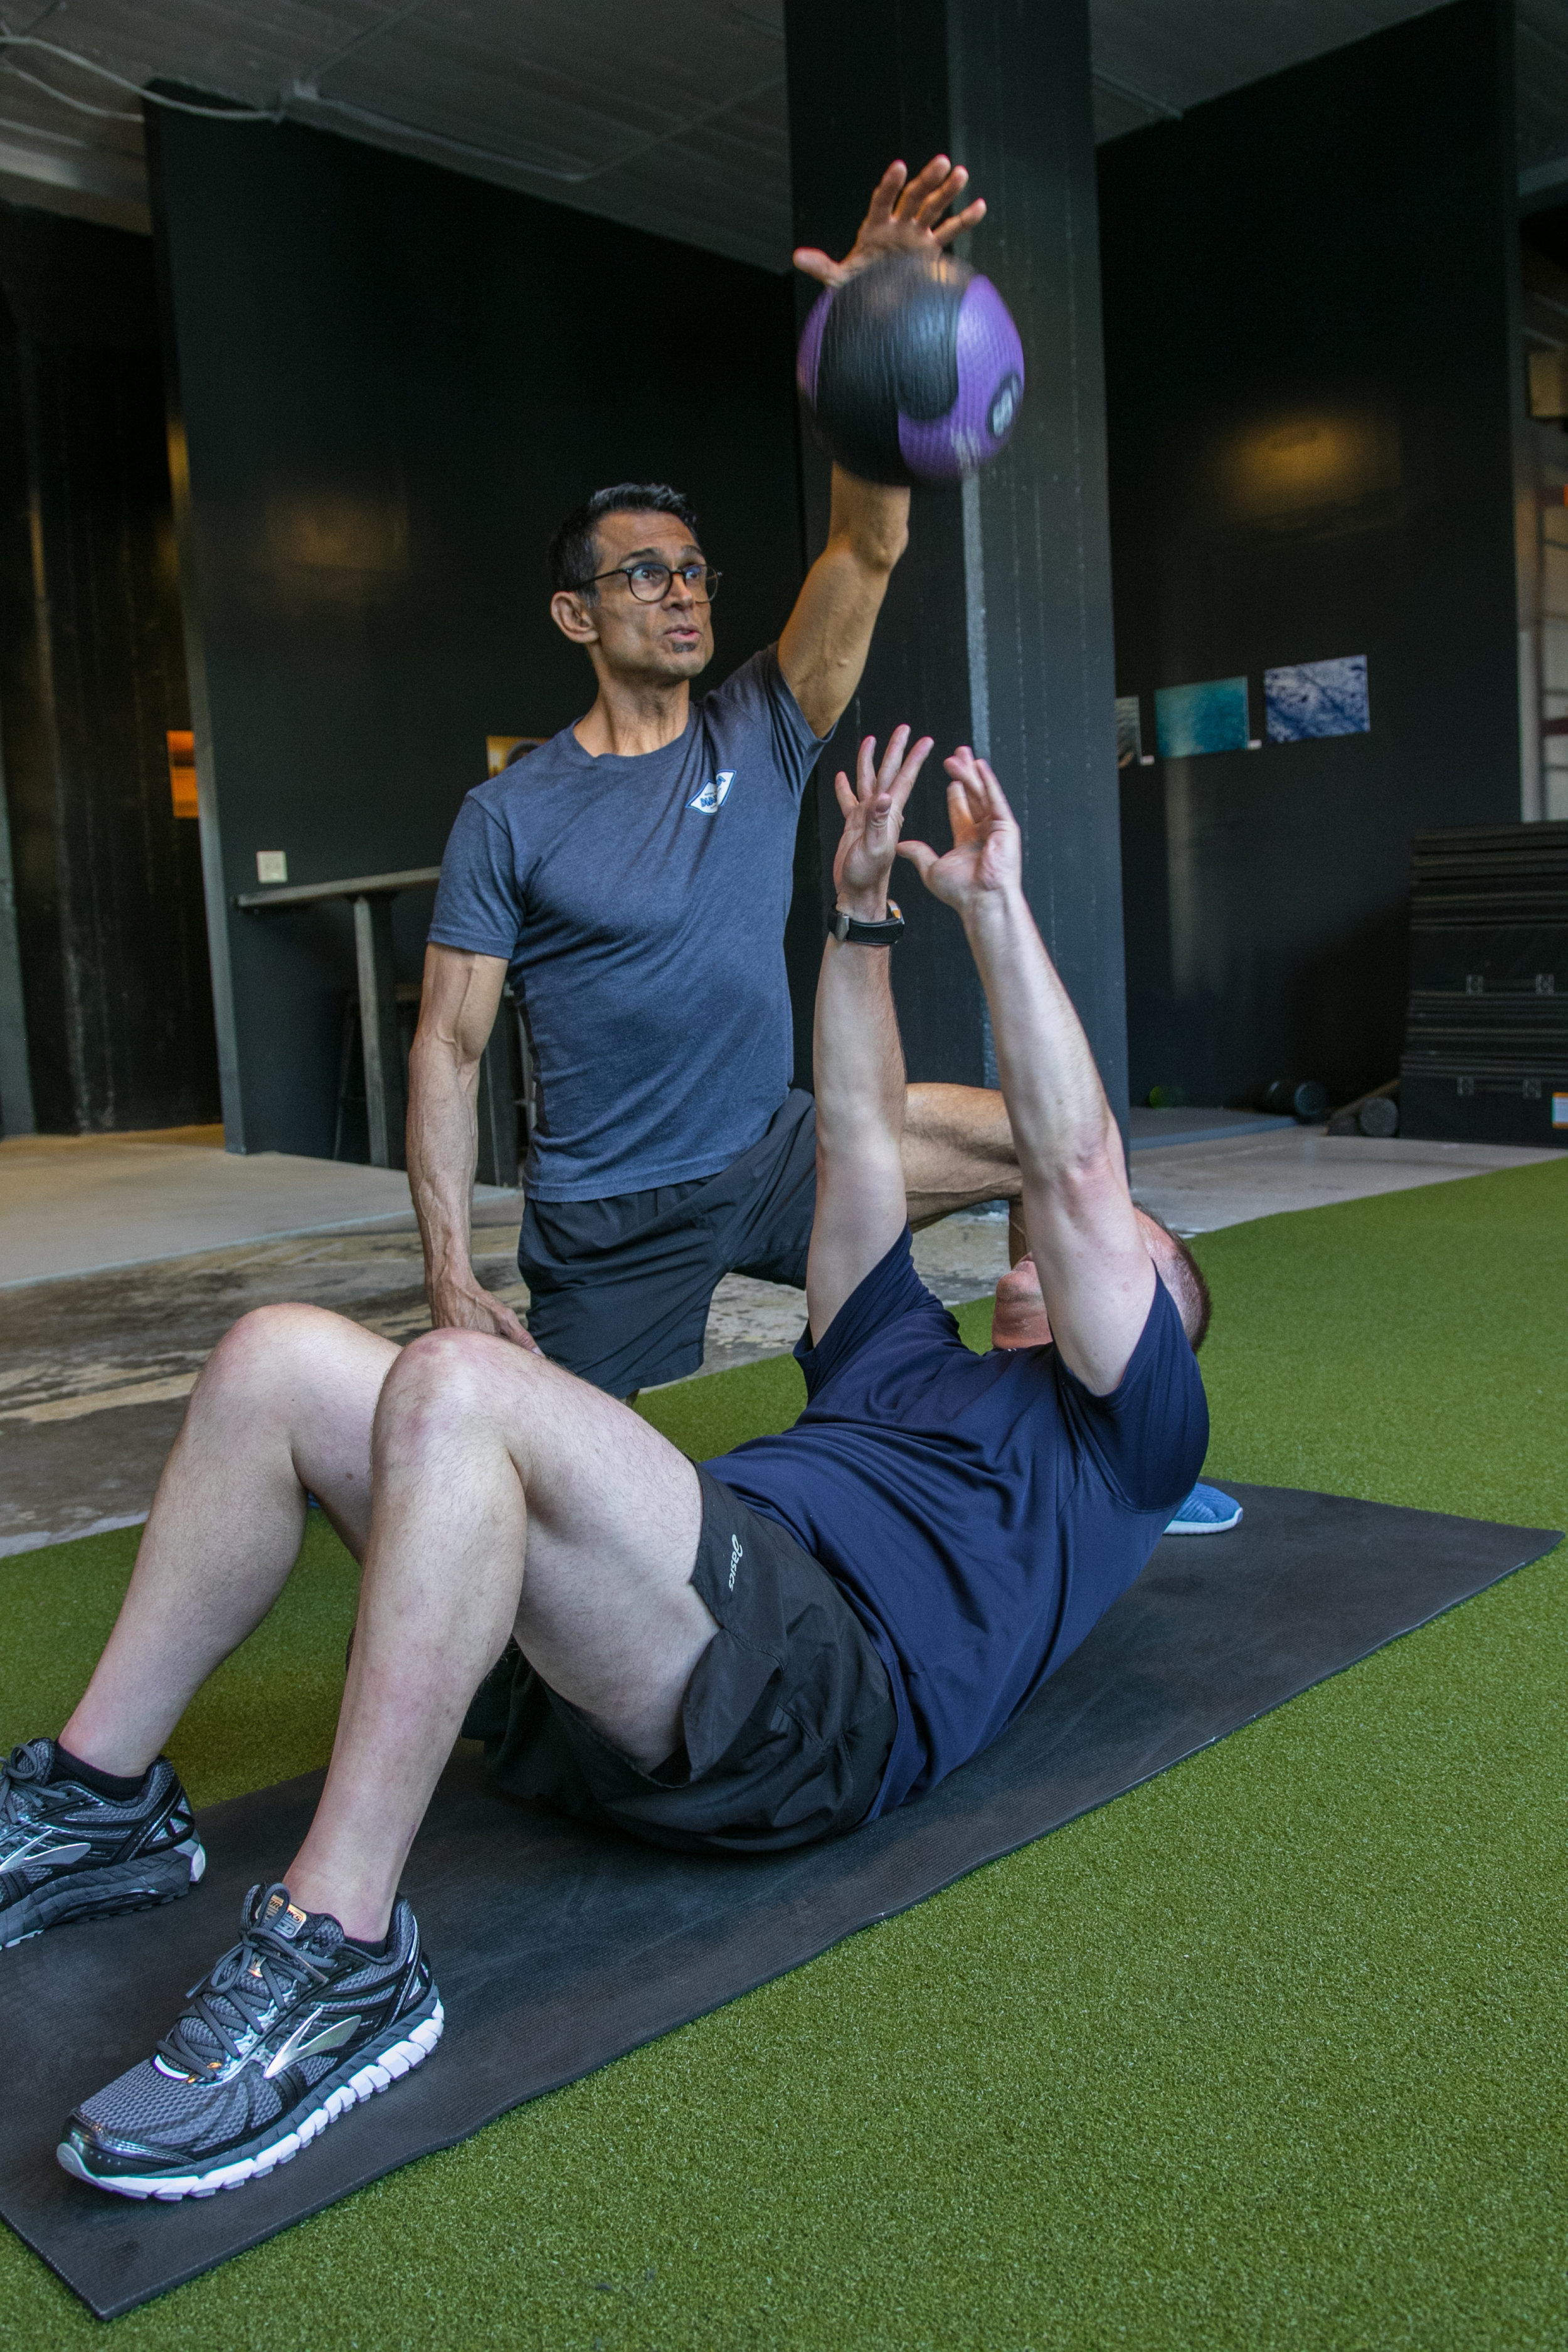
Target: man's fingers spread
[970, 217]
[815, 264]
[920, 854]
[909, 768]
[884, 194]
[893, 757]
[964, 812]
[915, 205]
[936, 202]
[845, 793]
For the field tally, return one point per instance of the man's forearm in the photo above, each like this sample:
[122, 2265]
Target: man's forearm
[823, 649]
[1056, 1104]
[867, 521]
[443, 1147]
[858, 1060]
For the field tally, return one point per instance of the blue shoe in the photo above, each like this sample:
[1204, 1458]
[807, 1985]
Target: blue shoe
[1205, 1512]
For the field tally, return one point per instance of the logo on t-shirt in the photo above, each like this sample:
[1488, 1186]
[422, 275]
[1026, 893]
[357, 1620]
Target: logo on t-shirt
[736, 1554]
[711, 796]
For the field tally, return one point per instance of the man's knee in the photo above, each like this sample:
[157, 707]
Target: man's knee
[454, 1382]
[264, 1352]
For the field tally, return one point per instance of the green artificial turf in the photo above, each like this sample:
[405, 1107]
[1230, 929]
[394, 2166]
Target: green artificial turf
[1268, 2053]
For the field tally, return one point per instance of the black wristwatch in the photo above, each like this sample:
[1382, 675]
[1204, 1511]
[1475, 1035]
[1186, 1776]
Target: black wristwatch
[869, 935]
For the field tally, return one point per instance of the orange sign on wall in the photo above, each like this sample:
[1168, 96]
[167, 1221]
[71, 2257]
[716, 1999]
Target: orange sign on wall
[183, 771]
[501, 749]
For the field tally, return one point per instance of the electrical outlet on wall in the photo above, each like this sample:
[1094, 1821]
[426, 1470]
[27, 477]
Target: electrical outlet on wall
[272, 866]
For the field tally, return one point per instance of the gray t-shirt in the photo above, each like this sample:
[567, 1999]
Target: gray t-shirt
[640, 904]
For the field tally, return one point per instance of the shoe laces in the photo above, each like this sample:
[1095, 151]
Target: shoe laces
[22, 1777]
[247, 1990]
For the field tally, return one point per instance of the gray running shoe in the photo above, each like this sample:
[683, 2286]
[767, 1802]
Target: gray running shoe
[65, 1853]
[290, 2029]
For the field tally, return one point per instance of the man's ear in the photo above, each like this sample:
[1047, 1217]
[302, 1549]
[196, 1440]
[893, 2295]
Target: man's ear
[573, 617]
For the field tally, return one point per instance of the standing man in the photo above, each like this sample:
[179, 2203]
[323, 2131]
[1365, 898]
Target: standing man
[633, 874]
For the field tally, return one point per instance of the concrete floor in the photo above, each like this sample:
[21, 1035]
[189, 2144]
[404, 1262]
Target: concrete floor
[82, 1203]
[102, 1331]
[1198, 1187]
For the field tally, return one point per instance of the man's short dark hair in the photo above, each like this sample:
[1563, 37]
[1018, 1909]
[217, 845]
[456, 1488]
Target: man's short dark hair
[1183, 1278]
[574, 550]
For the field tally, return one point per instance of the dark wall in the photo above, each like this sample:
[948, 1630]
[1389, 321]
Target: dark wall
[393, 382]
[109, 923]
[1325, 254]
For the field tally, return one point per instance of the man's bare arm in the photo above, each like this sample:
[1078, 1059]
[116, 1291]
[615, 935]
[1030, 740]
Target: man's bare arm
[826, 638]
[1096, 1275]
[823, 650]
[456, 1013]
[859, 1062]
[830, 631]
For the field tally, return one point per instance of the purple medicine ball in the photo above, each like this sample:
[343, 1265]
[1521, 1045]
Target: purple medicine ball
[913, 371]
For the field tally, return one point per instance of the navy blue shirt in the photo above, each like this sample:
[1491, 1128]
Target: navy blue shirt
[640, 904]
[980, 1512]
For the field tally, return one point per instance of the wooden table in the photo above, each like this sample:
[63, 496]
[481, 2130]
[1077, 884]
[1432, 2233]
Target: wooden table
[371, 896]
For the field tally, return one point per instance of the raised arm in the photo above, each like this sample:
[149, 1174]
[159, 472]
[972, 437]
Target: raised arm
[859, 1062]
[823, 650]
[1095, 1271]
[826, 638]
[457, 1013]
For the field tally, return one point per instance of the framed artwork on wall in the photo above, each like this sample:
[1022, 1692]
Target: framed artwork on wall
[1212, 716]
[1307, 699]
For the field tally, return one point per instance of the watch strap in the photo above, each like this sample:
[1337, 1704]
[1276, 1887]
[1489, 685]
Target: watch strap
[847, 926]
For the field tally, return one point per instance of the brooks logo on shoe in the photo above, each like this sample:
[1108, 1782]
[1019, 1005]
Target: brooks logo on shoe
[304, 2043]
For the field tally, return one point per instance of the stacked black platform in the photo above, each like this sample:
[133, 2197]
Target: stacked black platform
[1486, 1047]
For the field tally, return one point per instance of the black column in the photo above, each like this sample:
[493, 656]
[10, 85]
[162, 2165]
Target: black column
[997, 627]
[110, 956]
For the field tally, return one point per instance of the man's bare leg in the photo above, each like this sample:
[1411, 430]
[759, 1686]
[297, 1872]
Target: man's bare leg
[507, 1494]
[285, 1402]
[957, 1150]
[485, 1462]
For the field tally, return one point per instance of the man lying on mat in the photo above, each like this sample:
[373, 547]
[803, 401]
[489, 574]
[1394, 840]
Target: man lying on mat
[771, 1649]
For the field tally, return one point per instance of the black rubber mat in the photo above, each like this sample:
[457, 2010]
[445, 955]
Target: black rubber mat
[557, 1948]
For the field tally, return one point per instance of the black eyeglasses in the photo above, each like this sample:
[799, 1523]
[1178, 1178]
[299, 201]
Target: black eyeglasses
[651, 583]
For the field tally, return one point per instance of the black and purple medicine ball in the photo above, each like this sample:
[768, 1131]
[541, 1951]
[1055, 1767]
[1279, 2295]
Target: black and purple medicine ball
[913, 371]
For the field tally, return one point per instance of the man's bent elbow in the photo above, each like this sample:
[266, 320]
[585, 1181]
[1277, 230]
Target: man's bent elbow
[435, 1058]
[1083, 1172]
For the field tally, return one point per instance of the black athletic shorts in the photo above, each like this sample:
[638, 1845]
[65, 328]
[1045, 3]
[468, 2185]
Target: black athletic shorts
[788, 1719]
[619, 1289]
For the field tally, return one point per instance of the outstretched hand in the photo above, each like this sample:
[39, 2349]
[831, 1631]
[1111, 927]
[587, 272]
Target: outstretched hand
[873, 809]
[986, 859]
[904, 215]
